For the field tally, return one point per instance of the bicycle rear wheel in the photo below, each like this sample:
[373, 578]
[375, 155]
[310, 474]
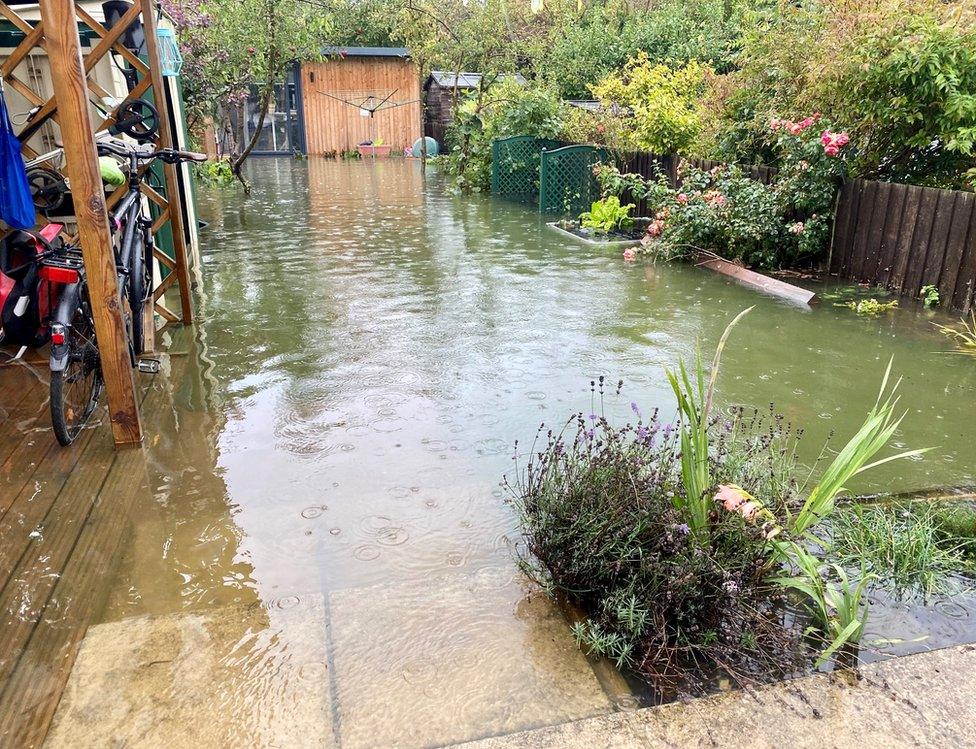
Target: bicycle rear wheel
[137, 293]
[75, 390]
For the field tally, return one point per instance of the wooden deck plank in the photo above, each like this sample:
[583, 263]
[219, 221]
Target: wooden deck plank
[32, 693]
[22, 403]
[37, 467]
[62, 578]
[31, 576]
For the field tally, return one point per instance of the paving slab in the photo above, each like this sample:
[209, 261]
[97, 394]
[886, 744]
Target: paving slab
[454, 658]
[235, 676]
[924, 700]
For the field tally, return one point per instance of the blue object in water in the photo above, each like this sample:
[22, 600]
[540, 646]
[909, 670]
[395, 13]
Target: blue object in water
[432, 147]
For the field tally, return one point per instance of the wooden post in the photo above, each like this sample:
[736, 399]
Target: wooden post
[71, 93]
[166, 140]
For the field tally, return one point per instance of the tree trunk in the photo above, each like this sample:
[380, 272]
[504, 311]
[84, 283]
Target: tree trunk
[237, 160]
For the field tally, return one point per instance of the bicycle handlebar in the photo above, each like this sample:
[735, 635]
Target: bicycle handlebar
[127, 151]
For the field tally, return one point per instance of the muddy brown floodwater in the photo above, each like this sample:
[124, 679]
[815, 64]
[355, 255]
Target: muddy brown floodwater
[327, 557]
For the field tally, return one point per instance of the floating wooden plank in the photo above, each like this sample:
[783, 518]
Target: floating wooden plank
[767, 285]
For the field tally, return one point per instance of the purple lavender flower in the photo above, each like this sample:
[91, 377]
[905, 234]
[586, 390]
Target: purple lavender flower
[683, 529]
[635, 409]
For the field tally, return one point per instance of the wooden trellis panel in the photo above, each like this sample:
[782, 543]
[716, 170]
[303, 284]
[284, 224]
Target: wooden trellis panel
[149, 81]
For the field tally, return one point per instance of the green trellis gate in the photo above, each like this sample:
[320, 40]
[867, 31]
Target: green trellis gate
[566, 180]
[515, 166]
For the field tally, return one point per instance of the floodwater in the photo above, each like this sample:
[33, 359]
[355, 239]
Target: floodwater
[370, 348]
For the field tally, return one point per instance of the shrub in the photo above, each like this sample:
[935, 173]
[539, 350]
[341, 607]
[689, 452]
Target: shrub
[677, 539]
[503, 109]
[665, 102]
[897, 75]
[726, 212]
[586, 47]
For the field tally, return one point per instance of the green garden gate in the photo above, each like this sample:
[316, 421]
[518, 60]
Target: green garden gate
[515, 166]
[567, 184]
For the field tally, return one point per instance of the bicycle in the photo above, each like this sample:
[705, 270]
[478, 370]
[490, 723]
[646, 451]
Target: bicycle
[76, 376]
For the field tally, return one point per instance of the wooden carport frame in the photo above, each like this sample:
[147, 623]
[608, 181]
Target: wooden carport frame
[57, 33]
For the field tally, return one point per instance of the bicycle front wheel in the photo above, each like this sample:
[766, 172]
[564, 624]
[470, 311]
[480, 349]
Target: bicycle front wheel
[75, 390]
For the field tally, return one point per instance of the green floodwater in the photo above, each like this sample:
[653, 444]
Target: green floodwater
[370, 347]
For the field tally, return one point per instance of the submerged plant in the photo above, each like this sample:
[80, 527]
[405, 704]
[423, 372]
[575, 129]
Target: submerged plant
[963, 335]
[838, 607]
[909, 548]
[870, 307]
[929, 296]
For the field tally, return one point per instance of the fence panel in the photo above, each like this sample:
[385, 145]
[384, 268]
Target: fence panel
[515, 166]
[905, 237]
[566, 181]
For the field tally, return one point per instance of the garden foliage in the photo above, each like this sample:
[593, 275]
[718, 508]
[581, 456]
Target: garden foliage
[678, 539]
[726, 212]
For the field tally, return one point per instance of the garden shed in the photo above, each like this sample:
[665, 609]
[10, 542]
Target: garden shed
[441, 90]
[360, 94]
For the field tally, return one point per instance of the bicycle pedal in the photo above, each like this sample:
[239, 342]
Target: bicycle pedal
[149, 366]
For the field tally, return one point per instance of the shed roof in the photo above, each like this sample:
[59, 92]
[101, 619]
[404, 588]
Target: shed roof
[446, 79]
[367, 51]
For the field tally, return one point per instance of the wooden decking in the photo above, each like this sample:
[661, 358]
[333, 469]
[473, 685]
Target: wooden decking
[64, 514]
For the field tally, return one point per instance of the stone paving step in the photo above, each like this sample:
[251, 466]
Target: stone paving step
[234, 676]
[447, 659]
[454, 658]
[924, 700]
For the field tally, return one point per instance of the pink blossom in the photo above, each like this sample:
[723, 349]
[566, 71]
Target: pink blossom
[833, 142]
[656, 227]
[630, 254]
[682, 198]
[715, 198]
[748, 510]
[776, 123]
[797, 228]
[730, 496]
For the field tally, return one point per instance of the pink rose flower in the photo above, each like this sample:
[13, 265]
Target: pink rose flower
[797, 228]
[682, 198]
[630, 254]
[656, 227]
[831, 150]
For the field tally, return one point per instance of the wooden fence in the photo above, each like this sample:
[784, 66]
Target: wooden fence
[905, 237]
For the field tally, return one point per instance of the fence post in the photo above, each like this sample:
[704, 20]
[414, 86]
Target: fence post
[70, 91]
